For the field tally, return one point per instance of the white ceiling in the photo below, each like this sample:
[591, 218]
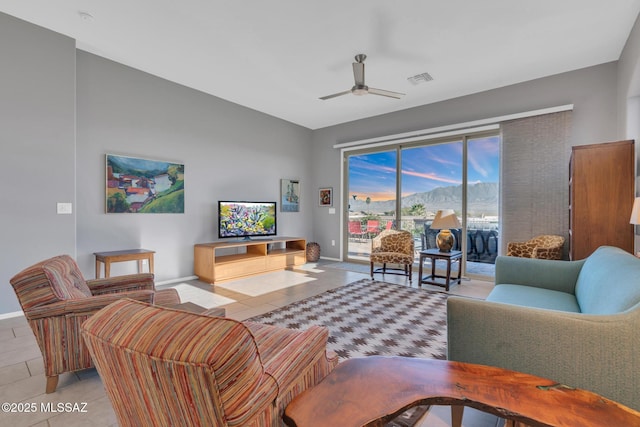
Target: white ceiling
[280, 56]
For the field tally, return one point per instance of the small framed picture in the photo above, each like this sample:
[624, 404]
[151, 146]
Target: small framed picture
[289, 195]
[325, 196]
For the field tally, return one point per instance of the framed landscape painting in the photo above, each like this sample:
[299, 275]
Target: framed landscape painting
[135, 185]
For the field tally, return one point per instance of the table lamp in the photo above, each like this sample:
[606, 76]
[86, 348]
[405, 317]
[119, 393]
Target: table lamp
[445, 220]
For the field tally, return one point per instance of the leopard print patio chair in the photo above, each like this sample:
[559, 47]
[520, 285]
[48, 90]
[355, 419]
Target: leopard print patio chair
[392, 247]
[542, 247]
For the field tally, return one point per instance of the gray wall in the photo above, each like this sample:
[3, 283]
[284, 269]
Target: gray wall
[629, 83]
[229, 152]
[37, 144]
[593, 91]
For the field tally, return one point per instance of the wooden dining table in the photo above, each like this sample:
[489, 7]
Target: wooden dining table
[371, 391]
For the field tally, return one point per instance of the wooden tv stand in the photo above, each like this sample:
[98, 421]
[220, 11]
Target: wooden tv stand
[226, 260]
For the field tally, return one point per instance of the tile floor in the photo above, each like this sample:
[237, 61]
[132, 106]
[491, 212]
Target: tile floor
[21, 371]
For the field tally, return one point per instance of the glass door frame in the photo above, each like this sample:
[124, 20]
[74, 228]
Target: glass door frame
[346, 200]
[399, 146]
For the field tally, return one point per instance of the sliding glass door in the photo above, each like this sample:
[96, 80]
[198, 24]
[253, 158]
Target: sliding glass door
[404, 186]
[431, 178]
[482, 205]
[372, 179]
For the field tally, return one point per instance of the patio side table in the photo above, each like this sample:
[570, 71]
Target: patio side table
[434, 255]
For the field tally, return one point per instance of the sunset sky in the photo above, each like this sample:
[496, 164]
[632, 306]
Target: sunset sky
[423, 168]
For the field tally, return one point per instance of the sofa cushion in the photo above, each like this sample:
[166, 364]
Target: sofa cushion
[390, 258]
[529, 296]
[609, 282]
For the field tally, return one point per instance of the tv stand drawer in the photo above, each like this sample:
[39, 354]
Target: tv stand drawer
[282, 261]
[239, 268]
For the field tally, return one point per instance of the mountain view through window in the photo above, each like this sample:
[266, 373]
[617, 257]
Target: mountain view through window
[432, 178]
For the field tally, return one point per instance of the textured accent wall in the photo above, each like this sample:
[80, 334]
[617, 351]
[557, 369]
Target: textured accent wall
[535, 177]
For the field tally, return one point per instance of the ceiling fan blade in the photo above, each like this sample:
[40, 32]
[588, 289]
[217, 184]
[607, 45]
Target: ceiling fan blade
[382, 92]
[324, 98]
[358, 73]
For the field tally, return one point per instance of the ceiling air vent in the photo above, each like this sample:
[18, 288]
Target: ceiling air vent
[420, 78]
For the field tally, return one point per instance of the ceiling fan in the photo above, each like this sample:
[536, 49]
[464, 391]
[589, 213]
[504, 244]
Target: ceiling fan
[360, 88]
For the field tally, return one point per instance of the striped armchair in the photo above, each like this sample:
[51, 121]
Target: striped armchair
[165, 367]
[56, 299]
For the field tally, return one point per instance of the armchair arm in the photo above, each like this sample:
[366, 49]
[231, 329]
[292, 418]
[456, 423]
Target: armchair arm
[597, 353]
[540, 273]
[547, 253]
[519, 248]
[288, 365]
[86, 305]
[130, 282]
[166, 297]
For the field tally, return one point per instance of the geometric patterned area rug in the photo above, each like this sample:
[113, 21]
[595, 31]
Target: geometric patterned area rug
[374, 318]
[370, 317]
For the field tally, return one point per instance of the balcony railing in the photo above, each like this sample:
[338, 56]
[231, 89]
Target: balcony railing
[481, 245]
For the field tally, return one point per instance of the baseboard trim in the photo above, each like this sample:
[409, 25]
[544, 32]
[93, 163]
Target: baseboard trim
[11, 315]
[179, 279]
[331, 259]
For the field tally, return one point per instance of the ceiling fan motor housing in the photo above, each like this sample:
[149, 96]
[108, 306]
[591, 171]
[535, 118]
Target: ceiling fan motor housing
[360, 90]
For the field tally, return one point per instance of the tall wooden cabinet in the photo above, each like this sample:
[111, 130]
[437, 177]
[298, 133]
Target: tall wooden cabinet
[601, 194]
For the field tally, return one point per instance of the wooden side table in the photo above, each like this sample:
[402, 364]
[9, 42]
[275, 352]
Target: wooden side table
[435, 254]
[370, 391]
[118, 256]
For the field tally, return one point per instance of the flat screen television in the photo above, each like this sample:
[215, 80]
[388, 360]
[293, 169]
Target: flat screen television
[246, 219]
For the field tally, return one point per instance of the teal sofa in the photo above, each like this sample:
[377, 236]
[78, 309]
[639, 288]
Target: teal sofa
[576, 322]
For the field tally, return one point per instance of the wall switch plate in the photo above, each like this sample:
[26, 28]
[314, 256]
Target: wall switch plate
[332, 211]
[333, 243]
[65, 208]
